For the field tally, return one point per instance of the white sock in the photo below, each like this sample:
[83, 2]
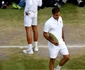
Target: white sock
[29, 47]
[35, 44]
[58, 67]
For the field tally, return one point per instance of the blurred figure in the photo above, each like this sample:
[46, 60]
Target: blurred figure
[53, 3]
[18, 4]
[59, 3]
[21, 3]
[80, 3]
[3, 4]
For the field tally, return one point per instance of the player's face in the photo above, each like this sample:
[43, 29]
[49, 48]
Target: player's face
[56, 15]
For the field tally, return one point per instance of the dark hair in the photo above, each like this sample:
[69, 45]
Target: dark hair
[55, 10]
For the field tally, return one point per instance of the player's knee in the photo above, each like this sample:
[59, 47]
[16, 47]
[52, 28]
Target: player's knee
[52, 60]
[35, 31]
[67, 57]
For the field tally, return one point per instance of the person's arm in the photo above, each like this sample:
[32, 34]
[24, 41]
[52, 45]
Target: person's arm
[63, 34]
[46, 35]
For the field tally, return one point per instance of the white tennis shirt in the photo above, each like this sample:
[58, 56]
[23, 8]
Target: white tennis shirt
[55, 27]
[32, 5]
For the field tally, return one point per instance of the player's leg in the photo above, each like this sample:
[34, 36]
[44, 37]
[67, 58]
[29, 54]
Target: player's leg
[65, 54]
[35, 33]
[29, 40]
[53, 51]
[62, 62]
[27, 24]
[28, 35]
[65, 58]
[51, 64]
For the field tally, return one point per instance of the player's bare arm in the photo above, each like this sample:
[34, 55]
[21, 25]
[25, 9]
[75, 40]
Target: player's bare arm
[63, 34]
[46, 35]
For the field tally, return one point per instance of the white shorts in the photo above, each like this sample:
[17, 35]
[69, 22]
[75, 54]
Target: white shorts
[30, 19]
[54, 50]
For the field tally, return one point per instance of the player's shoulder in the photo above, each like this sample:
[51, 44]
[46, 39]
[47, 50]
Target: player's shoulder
[60, 17]
[49, 20]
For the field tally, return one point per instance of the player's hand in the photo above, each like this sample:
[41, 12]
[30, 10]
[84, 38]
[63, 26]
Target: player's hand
[27, 13]
[55, 43]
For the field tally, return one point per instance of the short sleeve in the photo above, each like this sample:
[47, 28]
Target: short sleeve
[46, 27]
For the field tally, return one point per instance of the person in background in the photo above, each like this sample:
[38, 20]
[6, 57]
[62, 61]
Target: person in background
[3, 4]
[30, 21]
[80, 3]
[18, 4]
[59, 3]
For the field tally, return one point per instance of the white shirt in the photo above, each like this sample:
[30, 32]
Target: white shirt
[55, 27]
[32, 5]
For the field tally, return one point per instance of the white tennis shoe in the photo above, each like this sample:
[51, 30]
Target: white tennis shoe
[35, 48]
[28, 51]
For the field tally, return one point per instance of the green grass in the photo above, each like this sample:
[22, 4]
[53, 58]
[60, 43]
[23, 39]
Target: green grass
[11, 24]
[14, 59]
[11, 17]
[73, 14]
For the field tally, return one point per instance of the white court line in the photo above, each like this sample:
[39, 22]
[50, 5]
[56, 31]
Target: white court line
[71, 46]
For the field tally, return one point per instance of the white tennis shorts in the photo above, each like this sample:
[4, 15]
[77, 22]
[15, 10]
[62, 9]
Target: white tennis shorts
[54, 50]
[30, 19]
